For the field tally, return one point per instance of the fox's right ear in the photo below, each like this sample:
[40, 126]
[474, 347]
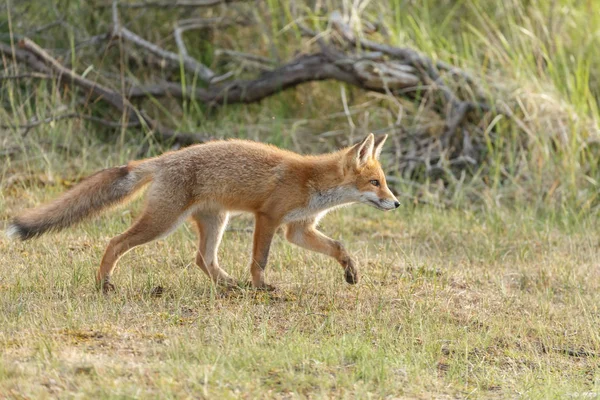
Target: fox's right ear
[360, 153]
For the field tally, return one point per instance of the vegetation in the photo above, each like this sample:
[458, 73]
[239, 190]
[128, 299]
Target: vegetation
[485, 283]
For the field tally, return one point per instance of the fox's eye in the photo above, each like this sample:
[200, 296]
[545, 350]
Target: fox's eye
[375, 182]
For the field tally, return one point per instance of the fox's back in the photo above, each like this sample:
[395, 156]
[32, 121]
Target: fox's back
[237, 173]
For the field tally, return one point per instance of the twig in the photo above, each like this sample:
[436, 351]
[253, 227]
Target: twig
[27, 127]
[35, 75]
[172, 4]
[456, 118]
[39, 60]
[457, 109]
[307, 68]
[189, 63]
[95, 90]
[246, 56]
[177, 32]
[25, 57]
[212, 23]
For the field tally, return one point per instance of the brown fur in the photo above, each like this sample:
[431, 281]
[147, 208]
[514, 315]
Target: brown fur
[207, 181]
[95, 193]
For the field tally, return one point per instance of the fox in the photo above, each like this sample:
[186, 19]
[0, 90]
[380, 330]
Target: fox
[208, 182]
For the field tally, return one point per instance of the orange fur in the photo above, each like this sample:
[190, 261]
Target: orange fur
[207, 181]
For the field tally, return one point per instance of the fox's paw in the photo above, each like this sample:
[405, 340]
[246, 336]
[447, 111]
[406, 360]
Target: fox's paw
[350, 273]
[106, 286]
[351, 276]
[263, 287]
[227, 282]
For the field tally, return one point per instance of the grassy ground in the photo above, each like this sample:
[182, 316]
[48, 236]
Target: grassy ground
[451, 304]
[494, 295]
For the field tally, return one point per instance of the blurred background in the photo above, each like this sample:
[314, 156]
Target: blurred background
[487, 103]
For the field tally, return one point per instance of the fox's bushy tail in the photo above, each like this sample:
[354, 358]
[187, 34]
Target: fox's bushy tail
[95, 193]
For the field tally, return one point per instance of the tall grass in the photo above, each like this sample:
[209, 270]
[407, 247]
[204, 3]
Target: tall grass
[540, 59]
[537, 59]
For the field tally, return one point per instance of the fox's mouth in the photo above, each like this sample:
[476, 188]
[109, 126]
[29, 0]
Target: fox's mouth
[378, 205]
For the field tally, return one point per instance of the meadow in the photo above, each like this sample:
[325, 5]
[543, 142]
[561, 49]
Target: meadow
[483, 284]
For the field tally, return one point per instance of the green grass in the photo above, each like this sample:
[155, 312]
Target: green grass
[532, 58]
[451, 303]
[484, 285]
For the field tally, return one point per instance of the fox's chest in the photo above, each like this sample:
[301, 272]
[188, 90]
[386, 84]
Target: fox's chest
[320, 203]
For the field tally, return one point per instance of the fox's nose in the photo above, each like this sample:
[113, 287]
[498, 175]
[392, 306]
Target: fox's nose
[397, 204]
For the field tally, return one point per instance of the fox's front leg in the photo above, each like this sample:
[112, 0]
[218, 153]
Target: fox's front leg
[264, 230]
[304, 234]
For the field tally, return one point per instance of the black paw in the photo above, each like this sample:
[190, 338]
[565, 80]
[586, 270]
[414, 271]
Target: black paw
[265, 287]
[157, 291]
[351, 276]
[107, 287]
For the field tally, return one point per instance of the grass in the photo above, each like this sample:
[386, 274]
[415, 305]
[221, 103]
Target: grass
[451, 304]
[490, 289]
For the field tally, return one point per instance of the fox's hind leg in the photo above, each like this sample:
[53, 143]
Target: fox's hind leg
[157, 220]
[211, 227]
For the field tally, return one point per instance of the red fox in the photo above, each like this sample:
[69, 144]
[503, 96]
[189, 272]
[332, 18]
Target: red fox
[208, 181]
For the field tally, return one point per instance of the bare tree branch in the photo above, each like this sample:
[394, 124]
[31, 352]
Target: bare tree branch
[34, 75]
[210, 23]
[189, 63]
[344, 57]
[177, 32]
[25, 57]
[94, 90]
[38, 59]
[405, 53]
[28, 126]
[307, 68]
[245, 56]
[172, 4]
[456, 110]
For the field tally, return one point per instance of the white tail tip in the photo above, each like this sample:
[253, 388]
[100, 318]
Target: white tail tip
[13, 231]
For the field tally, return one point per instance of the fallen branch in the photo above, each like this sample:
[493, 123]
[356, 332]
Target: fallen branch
[307, 68]
[343, 57]
[209, 23]
[28, 126]
[403, 53]
[178, 33]
[457, 109]
[32, 75]
[172, 4]
[245, 56]
[94, 90]
[190, 64]
[38, 59]
[24, 57]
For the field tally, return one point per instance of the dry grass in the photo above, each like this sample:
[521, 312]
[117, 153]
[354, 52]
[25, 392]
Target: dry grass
[499, 299]
[451, 304]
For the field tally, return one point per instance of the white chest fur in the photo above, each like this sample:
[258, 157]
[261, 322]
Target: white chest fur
[321, 202]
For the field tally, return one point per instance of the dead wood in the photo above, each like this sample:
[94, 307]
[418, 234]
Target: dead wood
[173, 4]
[189, 63]
[340, 54]
[39, 60]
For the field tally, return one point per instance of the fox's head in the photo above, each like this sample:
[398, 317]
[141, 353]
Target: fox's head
[363, 170]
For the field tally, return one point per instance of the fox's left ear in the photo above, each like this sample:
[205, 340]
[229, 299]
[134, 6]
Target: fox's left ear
[363, 151]
[378, 145]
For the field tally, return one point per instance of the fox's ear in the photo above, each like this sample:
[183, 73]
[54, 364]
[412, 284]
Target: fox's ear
[378, 145]
[361, 152]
